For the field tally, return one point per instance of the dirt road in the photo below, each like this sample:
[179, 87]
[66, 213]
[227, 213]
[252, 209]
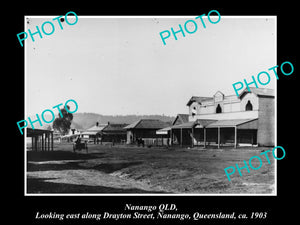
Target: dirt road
[145, 170]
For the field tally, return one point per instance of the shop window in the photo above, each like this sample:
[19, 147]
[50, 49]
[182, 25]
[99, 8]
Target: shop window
[249, 106]
[218, 109]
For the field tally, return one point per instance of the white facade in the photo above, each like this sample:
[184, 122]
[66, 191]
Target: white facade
[256, 103]
[230, 107]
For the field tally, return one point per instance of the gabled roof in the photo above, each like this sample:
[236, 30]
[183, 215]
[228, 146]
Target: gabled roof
[98, 128]
[115, 127]
[260, 92]
[147, 124]
[199, 123]
[219, 92]
[184, 125]
[204, 122]
[182, 118]
[198, 99]
[133, 125]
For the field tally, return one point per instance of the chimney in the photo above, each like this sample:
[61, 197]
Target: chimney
[97, 124]
[108, 123]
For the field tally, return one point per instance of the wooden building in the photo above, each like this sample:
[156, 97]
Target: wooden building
[114, 132]
[144, 129]
[93, 133]
[228, 120]
[166, 133]
[40, 139]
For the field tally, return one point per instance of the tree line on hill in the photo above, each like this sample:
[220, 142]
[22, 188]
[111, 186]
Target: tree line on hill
[86, 120]
[83, 121]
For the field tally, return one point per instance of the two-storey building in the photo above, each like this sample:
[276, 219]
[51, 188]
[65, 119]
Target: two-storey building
[223, 120]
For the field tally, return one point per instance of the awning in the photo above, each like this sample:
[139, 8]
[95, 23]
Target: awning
[163, 131]
[239, 123]
[36, 132]
[209, 123]
[201, 123]
[184, 125]
[90, 133]
[70, 135]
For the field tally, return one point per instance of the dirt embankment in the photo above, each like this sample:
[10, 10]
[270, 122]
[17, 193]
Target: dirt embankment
[144, 170]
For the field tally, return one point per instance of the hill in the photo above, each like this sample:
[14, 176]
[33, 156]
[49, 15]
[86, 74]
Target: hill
[83, 121]
[87, 120]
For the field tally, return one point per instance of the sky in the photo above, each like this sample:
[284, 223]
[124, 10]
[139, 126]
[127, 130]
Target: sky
[119, 66]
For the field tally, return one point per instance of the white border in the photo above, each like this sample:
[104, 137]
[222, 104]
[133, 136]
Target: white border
[143, 194]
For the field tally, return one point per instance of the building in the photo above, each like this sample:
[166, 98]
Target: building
[114, 132]
[165, 133]
[93, 133]
[180, 119]
[145, 129]
[108, 132]
[40, 139]
[229, 120]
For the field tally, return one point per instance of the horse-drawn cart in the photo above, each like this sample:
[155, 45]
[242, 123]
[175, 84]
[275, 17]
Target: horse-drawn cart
[80, 146]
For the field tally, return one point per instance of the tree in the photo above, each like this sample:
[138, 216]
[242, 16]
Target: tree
[63, 123]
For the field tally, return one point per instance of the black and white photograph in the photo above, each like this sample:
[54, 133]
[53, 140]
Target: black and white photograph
[154, 115]
[185, 114]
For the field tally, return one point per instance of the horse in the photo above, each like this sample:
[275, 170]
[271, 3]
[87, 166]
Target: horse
[140, 141]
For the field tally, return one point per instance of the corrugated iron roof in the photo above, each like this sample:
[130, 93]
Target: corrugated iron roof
[183, 118]
[198, 99]
[115, 127]
[98, 128]
[265, 92]
[147, 124]
[184, 125]
[203, 122]
[133, 125]
[89, 133]
[229, 123]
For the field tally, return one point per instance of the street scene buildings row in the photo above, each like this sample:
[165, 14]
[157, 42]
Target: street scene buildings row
[217, 120]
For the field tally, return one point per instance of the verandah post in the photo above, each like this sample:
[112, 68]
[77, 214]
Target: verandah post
[219, 137]
[204, 132]
[235, 137]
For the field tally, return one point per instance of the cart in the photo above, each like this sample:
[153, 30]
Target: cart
[80, 146]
